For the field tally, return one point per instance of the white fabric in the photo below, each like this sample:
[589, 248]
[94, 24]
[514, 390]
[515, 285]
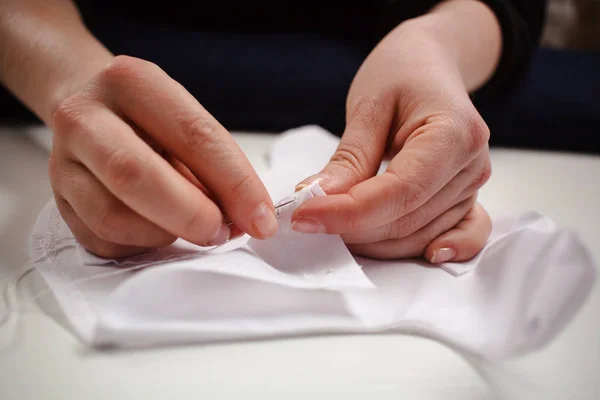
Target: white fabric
[518, 294]
[316, 258]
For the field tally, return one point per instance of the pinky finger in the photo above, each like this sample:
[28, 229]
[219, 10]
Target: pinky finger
[464, 241]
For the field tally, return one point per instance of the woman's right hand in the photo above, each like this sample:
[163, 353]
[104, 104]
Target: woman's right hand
[137, 162]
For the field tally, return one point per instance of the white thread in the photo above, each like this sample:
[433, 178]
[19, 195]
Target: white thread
[113, 272]
[11, 286]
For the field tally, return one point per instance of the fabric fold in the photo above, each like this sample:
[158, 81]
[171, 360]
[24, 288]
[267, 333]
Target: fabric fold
[513, 298]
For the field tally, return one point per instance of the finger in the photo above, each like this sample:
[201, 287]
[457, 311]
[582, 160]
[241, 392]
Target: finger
[106, 216]
[140, 178]
[425, 165]
[415, 244]
[187, 174]
[360, 151]
[460, 188]
[464, 241]
[174, 118]
[235, 232]
[92, 243]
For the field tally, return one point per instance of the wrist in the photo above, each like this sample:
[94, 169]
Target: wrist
[426, 62]
[46, 53]
[464, 33]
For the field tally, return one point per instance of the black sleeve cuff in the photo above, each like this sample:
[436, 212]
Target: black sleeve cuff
[521, 23]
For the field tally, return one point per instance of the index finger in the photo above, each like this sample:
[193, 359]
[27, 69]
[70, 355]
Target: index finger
[143, 180]
[178, 122]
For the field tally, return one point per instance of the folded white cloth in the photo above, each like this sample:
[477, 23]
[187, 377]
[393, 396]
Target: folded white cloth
[513, 298]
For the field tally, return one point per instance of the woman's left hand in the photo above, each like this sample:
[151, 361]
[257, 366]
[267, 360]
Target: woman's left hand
[407, 103]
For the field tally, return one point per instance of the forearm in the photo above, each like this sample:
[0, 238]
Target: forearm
[46, 52]
[468, 35]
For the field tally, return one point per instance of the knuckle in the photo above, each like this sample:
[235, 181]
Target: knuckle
[484, 175]
[67, 118]
[448, 130]
[481, 176]
[465, 130]
[352, 158]
[111, 226]
[120, 68]
[201, 133]
[123, 69]
[478, 134]
[125, 171]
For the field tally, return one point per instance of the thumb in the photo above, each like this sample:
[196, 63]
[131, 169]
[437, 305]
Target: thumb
[359, 154]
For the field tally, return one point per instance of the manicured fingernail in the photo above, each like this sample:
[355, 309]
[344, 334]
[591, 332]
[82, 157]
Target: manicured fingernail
[264, 221]
[308, 226]
[443, 255]
[300, 186]
[221, 236]
[308, 182]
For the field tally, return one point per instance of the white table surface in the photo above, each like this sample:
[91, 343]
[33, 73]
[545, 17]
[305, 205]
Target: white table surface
[39, 359]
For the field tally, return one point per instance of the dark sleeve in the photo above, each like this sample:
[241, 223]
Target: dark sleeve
[521, 22]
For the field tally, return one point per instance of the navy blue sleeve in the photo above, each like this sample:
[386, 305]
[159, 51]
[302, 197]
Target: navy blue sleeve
[521, 22]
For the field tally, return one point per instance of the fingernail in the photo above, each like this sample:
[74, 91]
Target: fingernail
[308, 182]
[221, 236]
[443, 255]
[264, 221]
[308, 226]
[300, 186]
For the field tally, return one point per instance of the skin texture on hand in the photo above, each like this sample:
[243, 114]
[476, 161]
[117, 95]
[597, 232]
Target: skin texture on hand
[409, 102]
[46, 52]
[136, 160]
[129, 176]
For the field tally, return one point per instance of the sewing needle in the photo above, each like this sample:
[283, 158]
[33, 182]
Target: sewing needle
[229, 223]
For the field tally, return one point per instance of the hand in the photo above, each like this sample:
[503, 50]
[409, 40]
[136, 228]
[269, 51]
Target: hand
[408, 103]
[138, 162]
